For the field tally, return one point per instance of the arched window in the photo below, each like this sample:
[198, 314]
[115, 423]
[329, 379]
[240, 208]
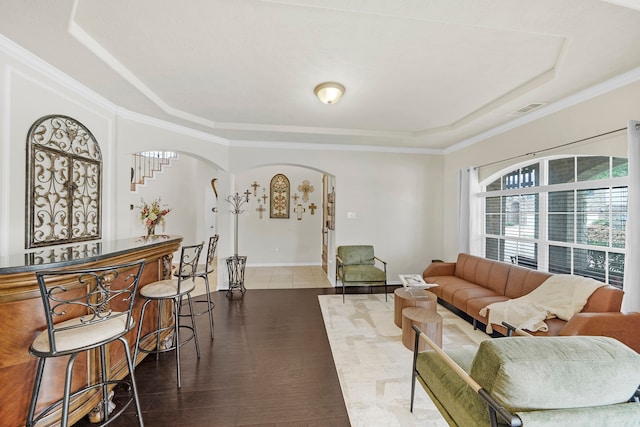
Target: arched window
[570, 218]
[64, 173]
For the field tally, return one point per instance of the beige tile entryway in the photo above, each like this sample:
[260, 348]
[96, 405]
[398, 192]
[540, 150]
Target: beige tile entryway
[285, 277]
[274, 278]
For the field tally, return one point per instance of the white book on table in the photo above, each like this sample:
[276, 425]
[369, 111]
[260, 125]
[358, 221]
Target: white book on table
[415, 281]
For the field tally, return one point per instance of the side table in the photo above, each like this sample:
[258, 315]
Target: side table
[429, 322]
[403, 298]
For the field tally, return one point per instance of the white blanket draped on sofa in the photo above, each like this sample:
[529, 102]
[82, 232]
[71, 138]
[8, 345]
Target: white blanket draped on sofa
[561, 296]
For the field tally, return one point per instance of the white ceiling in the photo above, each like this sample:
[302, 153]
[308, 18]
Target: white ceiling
[422, 74]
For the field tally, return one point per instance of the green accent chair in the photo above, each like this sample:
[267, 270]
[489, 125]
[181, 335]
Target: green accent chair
[532, 381]
[357, 264]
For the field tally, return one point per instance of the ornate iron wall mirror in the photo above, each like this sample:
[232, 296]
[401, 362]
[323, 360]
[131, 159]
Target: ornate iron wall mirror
[64, 176]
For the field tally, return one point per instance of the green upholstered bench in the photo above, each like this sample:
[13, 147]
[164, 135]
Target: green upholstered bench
[357, 264]
[533, 381]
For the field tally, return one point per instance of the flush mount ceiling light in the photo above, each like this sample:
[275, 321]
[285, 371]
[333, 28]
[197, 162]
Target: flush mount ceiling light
[329, 92]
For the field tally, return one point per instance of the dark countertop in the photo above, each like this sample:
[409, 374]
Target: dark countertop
[66, 255]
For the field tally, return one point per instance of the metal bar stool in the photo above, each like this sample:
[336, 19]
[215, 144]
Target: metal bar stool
[171, 290]
[209, 267]
[85, 310]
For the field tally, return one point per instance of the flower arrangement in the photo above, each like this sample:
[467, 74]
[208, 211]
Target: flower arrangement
[152, 214]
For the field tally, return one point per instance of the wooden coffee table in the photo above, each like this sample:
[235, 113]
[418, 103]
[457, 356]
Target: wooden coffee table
[403, 298]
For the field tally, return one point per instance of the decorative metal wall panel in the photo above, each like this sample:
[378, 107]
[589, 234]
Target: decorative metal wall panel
[280, 190]
[64, 170]
[62, 254]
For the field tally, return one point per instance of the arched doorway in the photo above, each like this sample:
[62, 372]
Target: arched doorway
[299, 237]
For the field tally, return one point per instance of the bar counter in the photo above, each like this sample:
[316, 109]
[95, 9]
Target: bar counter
[22, 318]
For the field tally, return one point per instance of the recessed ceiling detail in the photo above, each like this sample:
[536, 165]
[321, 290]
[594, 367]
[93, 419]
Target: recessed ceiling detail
[425, 75]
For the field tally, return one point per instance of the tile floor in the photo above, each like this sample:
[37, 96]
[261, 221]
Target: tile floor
[297, 277]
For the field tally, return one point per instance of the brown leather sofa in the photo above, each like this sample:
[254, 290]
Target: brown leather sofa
[471, 283]
[624, 327]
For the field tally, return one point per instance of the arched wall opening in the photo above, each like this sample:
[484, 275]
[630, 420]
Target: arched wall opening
[301, 238]
[185, 187]
[280, 235]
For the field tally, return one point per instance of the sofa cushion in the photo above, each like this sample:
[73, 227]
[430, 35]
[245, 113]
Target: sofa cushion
[484, 272]
[466, 267]
[444, 282]
[462, 297]
[448, 286]
[523, 280]
[556, 372]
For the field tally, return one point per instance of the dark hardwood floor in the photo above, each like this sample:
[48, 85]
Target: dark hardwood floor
[269, 365]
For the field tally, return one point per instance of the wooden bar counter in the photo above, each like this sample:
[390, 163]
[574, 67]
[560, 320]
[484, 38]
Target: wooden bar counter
[22, 318]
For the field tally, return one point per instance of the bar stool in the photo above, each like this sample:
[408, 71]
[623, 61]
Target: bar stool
[86, 310]
[171, 290]
[209, 267]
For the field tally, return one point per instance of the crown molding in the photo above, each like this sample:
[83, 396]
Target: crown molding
[333, 147]
[170, 126]
[32, 61]
[631, 76]
[23, 56]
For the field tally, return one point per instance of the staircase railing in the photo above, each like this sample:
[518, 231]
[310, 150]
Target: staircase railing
[146, 164]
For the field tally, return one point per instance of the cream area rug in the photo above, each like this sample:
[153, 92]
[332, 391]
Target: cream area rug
[373, 365]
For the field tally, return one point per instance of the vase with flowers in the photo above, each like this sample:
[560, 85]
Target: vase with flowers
[152, 214]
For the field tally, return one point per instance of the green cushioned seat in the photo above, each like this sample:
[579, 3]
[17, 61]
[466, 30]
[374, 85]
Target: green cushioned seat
[356, 264]
[545, 381]
[556, 372]
[362, 273]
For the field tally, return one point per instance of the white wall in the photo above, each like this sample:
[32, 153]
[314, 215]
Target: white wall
[184, 186]
[280, 241]
[396, 199]
[28, 95]
[405, 203]
[394, 195]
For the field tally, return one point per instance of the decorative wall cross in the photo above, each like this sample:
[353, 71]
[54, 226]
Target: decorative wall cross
[305, 188]
[247, 193]
[264, 198]
[299, 210]
[312, 208]
[255, 186]
[295, 198]
[260, 210]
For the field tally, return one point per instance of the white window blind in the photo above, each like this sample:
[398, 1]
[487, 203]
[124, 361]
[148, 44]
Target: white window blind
[570, 219]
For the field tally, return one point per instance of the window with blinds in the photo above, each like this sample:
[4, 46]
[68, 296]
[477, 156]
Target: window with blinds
[562, 215]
